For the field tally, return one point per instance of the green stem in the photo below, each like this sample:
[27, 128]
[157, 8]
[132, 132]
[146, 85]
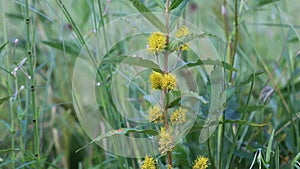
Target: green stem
[229, 157]
[225, 16]
[32, 89]
[210, 154]
[12, 129]
[220, 142]
[234, 46]
[166, 55]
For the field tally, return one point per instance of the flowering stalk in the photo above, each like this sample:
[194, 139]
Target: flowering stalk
[166, 54]
[166, 82]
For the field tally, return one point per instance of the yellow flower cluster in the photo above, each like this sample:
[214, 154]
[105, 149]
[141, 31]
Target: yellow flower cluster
[184, 47]
[157, 42]
[165, 140]
[155, 114]
[200, 163]
[179, 116]
[156, 80]
[168, 82]
[149, 163]
[162, 82]
[183, 31]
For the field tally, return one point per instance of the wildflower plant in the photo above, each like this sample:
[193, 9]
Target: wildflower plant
[164, 81]
[153, 89]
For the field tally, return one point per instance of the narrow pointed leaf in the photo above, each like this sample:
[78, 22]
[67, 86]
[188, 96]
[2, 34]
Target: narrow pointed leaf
[2, 46]
[148, 15]
[269, 148]
[212, 62]
[175, 4]
[135, 61]
[64, 46]
[121, 131]
[2, 100]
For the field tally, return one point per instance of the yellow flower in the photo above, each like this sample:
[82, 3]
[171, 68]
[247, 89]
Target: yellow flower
[168, 82]
[156, 80]
[165, 140]
[155, 114]
[200, 163]
[149, 163]
[183, 31]
[165, 82]
[178, 116]
[184, 47]
[157, 42]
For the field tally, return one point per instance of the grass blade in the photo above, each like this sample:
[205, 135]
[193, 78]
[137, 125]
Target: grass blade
[148, 15]
[175, 4]
[136, 61]
[2, 47]
[269, 149]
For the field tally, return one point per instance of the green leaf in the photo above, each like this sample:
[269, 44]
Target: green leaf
[121, 131]
[136, 61]
[148, 15]
[196, 128]
[174, 102]
[253, 108]
[174, 44]
[269, 148]
[5, 151]
[194, 95]
[277, 160]
[242, 122]
[250, 79]
[2, 47]
[68, 47]
[294, 162]
[7, 71]
[2, 100]
[160, 4]
[177, 12]
[231, 91]
[265, 2]
[209, 61]
[175, 4]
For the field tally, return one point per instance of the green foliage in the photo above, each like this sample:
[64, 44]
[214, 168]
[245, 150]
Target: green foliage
[148, 15]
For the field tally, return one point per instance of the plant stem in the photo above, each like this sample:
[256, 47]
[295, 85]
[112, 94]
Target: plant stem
[233, 50]
[210, 154]
[12, 129]
[32, 89]
[220, 142]
[235, 135]
[166, 55]
[224, 13]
